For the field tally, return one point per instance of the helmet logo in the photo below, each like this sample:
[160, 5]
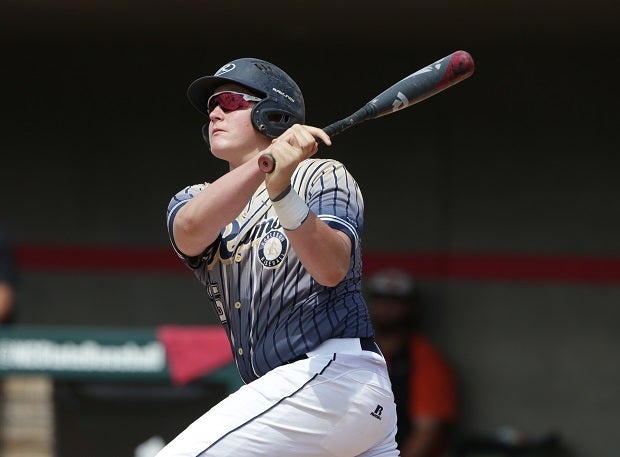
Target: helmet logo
[287, 96]
[225, 69]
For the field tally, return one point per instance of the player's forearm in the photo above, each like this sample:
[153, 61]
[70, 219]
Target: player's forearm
[323, 251]
[199, 222]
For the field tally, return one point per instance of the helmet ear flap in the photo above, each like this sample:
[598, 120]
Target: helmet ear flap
[205, 134]
[270, 119]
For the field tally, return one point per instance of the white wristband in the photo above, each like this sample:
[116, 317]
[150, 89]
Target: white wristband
[291, 209]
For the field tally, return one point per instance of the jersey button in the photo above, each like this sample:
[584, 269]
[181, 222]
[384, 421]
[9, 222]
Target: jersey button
[238, 258]
[240, 351]
[237, 305]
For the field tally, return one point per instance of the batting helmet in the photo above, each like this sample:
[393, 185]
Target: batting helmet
[282, 103]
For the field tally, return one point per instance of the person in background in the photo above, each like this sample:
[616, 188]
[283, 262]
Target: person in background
[8, 280]
[423, 382]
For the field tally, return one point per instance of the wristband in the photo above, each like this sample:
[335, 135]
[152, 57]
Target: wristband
[282, 194]
[291, 209]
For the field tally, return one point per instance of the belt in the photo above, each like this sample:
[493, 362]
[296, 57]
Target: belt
[342, 346]
[369, 344]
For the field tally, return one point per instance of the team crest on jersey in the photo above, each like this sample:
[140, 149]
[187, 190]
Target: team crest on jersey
[272, 249]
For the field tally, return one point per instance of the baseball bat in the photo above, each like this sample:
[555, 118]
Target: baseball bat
[418, 86]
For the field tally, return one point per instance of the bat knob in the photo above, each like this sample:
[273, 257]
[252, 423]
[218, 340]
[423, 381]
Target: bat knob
[266, 163]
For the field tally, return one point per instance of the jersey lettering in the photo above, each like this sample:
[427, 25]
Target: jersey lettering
[215, 295]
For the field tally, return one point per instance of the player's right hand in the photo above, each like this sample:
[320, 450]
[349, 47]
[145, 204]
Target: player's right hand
[297, 143]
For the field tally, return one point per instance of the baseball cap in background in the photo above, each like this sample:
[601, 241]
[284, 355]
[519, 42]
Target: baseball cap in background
[392, 283]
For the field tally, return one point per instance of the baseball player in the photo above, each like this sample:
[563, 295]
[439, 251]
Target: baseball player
[279, 255]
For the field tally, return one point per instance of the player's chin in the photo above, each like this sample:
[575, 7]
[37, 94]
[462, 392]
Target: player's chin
[219, 147]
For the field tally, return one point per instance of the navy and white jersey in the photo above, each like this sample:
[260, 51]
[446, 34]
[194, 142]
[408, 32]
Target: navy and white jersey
[272, 309]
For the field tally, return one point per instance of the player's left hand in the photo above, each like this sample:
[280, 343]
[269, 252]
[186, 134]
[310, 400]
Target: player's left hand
[298, 143]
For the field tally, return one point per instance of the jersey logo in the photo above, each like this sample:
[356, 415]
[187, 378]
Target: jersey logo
[273, 249]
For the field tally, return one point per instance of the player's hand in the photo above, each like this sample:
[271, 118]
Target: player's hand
[298, 143]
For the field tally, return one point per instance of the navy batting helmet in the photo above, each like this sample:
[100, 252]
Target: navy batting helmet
[282, 103]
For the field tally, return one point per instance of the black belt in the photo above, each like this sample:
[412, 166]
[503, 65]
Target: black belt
[367, 344]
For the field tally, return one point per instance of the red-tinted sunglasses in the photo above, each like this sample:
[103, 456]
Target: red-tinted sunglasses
[230, 101]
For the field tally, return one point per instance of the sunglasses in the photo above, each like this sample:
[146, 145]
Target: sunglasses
[230, 101]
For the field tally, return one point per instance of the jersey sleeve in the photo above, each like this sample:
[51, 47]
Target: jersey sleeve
[433, 383]
[333, 195]
[177, 202]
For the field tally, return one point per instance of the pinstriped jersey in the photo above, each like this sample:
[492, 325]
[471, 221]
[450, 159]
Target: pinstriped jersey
[272, 309]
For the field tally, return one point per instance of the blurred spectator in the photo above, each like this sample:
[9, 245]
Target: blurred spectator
[424, 384]
[8, 280]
